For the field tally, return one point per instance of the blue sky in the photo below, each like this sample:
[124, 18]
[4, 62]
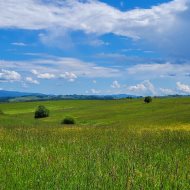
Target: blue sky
[95, 47]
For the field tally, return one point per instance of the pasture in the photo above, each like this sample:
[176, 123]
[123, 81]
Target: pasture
[115, 144]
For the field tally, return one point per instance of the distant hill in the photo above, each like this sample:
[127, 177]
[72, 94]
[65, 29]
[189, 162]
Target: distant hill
[6, 94]
[14, 96]
[120, 96]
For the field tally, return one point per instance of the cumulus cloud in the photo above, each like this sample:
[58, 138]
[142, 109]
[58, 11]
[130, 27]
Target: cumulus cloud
[115, 84]
[168, 22]
[33, 71]
[137, 88]
[43, 75]
[31, 80]
[183, 88]
[9, 76]
[167, 91]
[94, 91]
[69, 76]
[146, 87]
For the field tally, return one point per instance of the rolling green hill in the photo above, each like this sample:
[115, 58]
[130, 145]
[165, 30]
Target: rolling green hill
[116, 144]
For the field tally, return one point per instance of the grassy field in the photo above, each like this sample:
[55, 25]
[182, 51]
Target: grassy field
[116, 144]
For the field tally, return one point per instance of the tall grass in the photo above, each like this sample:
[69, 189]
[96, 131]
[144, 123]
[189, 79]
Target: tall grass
[109, 148]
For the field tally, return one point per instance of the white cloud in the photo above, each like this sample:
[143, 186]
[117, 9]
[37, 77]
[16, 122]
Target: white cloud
[150, 87]
[115, 84]
[157, 70]
[184, 88]
[94, 81]
[151, 68]
[166, 21]
[97, 42]
[31, 80]
[69, 76]
[137, 88]
[57, 37]
[33, 71]
[94, 91]
[146, 87]
[53, 67]
[18, 44]
[43, 75]
[9, 76]
[166, 91]
[78, 15]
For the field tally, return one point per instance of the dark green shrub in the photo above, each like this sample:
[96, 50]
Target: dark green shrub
[148, 99]
[68, 120]
[1, 112]
[41, 112]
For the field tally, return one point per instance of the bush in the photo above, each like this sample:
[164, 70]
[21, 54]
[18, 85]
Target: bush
[148, 99]
[41, 112]
[1, 112]
[68, 120]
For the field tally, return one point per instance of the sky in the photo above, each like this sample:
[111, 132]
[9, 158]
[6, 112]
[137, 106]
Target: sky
[137, 47]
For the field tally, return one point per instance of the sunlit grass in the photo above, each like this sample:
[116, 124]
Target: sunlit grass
[123, 144]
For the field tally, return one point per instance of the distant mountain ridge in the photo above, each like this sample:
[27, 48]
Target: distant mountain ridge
[6, 94]
[14, 96]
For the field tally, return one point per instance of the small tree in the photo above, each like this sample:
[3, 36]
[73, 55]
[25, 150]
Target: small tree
[148, 99]
[41, 112]
[68, 120]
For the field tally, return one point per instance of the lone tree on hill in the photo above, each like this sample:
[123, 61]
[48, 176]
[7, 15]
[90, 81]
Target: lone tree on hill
[148, 99]
[41, 112]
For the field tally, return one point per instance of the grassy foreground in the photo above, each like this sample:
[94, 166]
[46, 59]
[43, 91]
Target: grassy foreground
[116, 144]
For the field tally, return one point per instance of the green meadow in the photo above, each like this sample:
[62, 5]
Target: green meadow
[115, 144]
